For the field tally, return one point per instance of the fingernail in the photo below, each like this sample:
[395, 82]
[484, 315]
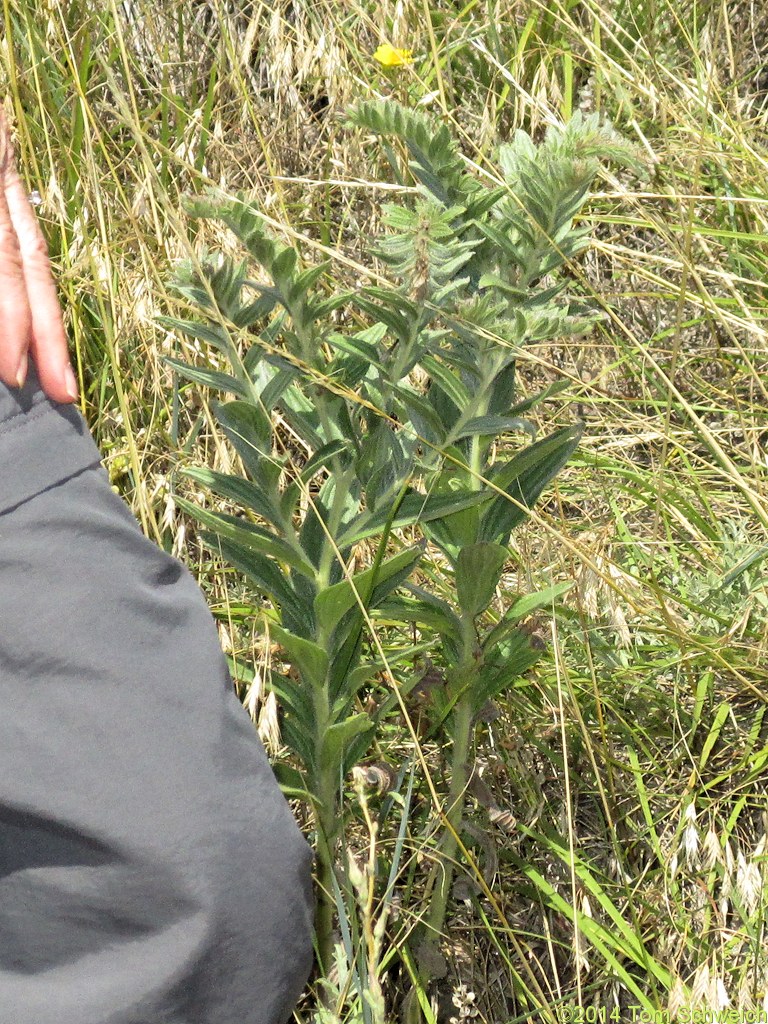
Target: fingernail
[70, 382]
[21, 373]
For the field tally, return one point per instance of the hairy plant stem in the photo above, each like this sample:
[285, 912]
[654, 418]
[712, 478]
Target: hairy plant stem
[463, 676]
[327, 832]
[327, 819]
[325, 898]
[454, 815]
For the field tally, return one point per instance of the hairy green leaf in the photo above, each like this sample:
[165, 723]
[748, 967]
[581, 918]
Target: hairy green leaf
[250, 536]
[310, 659]
[478, 570]
[208, 378]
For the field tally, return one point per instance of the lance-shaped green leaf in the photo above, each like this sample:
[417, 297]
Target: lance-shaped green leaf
[209, 378]
[478, 571]
[361, 345]
[393, 319]
[299, 740]
[414, 508]
[250, 536]
[449, 383]
[305, 280]
[292, 783]
[338, 738]
[356, 679]
[295, 611]
[296, 696]
[523, 478]
[521, 608]
[381, 465]
[509, 662]
[369, 587]
[359, 676]
[256, 309]
[283, 266]
[320, 310]
[243, 492]
[541, 599]
[313, 465]
[492, 426]
[422, 414]
[550, 391]
[310, 659]
[482, 201]
[249, 429]
[394, 300]
[505, 242]
[301, 414]
[453, 532]
[276, 386]
[316, 536]
[422, 613]
[212, 334]
[350, 627]
[348, 371]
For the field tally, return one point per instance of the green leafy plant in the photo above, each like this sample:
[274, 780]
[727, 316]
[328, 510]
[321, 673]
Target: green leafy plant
[476, 273]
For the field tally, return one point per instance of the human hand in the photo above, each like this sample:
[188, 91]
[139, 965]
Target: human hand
[30, 314]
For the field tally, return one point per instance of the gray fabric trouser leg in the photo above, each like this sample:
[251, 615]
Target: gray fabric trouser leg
[151, 871]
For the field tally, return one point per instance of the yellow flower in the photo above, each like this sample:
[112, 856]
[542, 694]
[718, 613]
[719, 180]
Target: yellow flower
[391, 57]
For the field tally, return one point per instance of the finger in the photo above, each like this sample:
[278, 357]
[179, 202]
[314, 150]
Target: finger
[15, 314]
[48, 341]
